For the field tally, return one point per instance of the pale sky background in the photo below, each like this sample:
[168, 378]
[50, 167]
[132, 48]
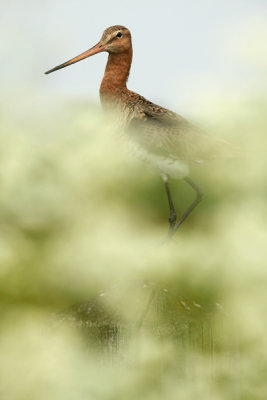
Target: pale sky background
[183, 49]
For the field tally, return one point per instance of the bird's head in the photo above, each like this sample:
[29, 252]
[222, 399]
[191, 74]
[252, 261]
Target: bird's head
[115, 40]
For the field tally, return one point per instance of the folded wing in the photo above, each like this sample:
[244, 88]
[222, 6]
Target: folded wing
[165, 133]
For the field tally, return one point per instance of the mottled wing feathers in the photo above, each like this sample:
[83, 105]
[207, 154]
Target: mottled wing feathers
[166, 133]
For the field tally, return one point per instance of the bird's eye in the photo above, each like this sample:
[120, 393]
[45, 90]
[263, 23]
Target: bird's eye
[119, 34]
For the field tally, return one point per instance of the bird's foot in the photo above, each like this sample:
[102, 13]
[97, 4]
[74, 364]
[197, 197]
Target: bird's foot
[172, 218]
[172, 221]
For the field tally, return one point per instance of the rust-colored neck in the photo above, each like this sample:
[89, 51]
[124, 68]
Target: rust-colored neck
[116, 75]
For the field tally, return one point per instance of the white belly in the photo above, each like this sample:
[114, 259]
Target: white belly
[173, 168]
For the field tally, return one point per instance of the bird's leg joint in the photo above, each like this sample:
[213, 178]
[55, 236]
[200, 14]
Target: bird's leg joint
[172, 217]
[200, 195]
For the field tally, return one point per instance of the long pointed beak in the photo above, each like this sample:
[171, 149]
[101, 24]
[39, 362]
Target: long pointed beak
[98, 48]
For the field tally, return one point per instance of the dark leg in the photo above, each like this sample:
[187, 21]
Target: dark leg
[173, 216]
[199, 195]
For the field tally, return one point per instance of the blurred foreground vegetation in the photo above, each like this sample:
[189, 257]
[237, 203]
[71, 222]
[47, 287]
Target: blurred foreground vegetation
[93, 304]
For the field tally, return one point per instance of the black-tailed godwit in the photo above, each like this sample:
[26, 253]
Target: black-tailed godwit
[163, 138]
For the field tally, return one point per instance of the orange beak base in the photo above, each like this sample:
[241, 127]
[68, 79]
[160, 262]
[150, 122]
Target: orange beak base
[98, 48]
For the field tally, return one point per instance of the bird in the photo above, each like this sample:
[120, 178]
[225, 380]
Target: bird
[161, 137]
